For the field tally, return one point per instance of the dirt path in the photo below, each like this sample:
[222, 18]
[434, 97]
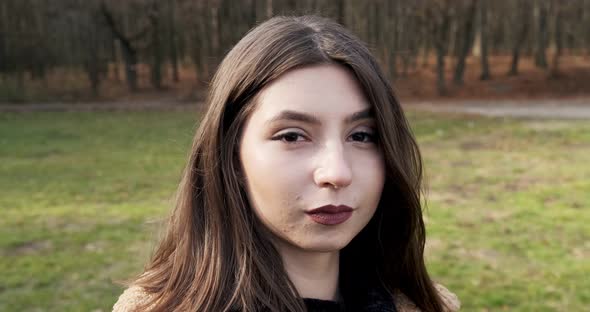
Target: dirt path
[159, 104]
[574, 108]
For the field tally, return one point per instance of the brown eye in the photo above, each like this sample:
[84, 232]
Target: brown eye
[364, 137]
[288, 137]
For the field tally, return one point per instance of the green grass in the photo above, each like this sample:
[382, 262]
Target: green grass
[81, 195]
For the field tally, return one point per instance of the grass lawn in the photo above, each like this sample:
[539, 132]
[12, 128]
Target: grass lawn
[81, 195]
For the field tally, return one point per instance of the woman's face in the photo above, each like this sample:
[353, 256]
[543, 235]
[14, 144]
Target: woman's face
[310, 142]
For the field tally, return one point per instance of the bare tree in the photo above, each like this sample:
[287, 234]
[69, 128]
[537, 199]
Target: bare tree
[541, 12]
[172, 39]
[89, 35]
[522, 22]
[128, 45]
[484, 39]
[439, 13]
[91, 40]
[558, 9]
[155, 45]
[466, 37]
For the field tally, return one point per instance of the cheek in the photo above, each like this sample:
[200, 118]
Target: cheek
[272, 180]
[371, 178]
[268, 169]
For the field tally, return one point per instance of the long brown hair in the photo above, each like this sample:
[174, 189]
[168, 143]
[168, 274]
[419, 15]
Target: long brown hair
[216, 255]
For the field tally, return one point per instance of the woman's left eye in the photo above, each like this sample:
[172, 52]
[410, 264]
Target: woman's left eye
[364, 137]
[289, 137]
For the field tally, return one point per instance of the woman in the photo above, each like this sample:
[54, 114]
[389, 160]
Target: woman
[302, 191]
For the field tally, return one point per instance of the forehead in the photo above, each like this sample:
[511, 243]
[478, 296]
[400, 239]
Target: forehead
[326, 91]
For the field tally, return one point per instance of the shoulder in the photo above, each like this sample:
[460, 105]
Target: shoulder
[131, 299]
[449, 299]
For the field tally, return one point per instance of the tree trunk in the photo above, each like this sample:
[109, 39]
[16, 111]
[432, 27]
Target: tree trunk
[129, 52]
[115, 59]
[440, 72]
[216, 38]
[173, 44]
[3, 38]
[483, 28]
[92, 68]
[156, 47]
[467, 38]
[542, 35]
[269, 9]
[426, 45]
[558, 37]
[393, 39]
[441, 30]
[340, 11]
[92, 71]
[523, 21]
[130, 59]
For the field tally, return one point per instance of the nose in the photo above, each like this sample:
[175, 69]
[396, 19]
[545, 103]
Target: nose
[333, 170]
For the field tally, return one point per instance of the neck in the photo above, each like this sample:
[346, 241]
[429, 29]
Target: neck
[314, 274]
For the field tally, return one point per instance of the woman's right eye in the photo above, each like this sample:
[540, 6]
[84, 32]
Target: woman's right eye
[288, 137]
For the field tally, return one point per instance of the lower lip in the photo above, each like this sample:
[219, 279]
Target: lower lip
[330, 218]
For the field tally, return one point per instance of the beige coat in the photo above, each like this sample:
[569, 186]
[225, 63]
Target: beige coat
[134, 296]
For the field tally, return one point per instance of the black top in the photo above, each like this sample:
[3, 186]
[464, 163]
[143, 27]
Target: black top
[376, 301]
[318, 305]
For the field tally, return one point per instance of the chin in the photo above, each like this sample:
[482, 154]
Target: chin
[324, 245]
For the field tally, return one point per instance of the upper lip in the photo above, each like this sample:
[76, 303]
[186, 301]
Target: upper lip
[331, 209]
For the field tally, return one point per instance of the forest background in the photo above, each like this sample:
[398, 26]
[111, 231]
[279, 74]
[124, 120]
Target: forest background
[74, 50]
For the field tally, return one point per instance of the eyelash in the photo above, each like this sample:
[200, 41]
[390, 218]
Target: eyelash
[281, 137]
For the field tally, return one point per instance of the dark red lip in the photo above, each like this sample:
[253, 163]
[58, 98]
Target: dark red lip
[330, 214]
[330, 209]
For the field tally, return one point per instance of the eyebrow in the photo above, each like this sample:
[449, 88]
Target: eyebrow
[310, 119]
